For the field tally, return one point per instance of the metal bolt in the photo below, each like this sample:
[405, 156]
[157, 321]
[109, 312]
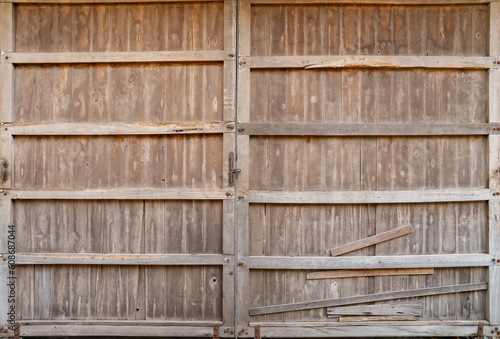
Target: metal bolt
[498, 260]
[241, 197]
[239, 333]
[240, 264]
[241, 129]
[231, 273]
[492, 331]
[230, 126]
[498, 332]
[6, 128]
[232, 332]
[231, 55]
[227, 260]
[496, 328]
[6, 57]
[229, 194]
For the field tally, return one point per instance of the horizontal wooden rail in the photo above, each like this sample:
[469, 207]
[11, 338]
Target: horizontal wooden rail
[371, 2]
[115, 57]
[120, 194]
[336, 61]
[119, 322]
[120, 259]
[367, 197]
[372, 262]
[118, 128]
[116, 330]
[376, 329]
[361, 129]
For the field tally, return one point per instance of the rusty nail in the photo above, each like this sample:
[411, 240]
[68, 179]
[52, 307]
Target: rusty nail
[496, 328]
[241, 197]
[6, 57]
[4, 259]
[231, 332]
[498, 332]
[240, 264]
[230, 126]
[6, 128]
[231, 273]
[227, 260]
[229, 194]
[492, 331]
[246, 332]
[498, 260]
[241, 129]
[241, 63]
[231, 55]
[239, 333]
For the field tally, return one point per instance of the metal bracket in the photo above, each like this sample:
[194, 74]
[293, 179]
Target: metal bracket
[3, 171]
[257, 332]
[17, 331]
[233, 171]
[216, 331]
[480, 328]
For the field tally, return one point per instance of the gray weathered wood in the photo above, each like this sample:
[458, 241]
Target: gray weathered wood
[118, 128]
[346, 129]
[354, 319]
[106, 330]
[368, 273]
[120, 259]
[367, 197]
[153, 194]
[390, 330]
[401, 308]
[371, 262]
[368, 298]
[376, 239]
[314, 62]
[114, 57]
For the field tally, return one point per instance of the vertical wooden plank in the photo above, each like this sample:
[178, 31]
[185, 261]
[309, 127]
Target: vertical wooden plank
[6, 153]
[493, 306]
[243, 142]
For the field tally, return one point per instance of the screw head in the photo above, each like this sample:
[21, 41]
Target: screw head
[240, 264]
[231, 273]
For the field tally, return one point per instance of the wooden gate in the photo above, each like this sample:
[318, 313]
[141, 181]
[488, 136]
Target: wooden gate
[160, 181]
[356, 120]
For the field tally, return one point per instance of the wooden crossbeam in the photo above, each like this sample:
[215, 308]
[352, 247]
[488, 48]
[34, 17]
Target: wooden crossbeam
[376, 239]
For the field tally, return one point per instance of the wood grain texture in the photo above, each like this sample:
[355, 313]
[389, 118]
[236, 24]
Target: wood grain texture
[120, 28]
[134, 227]
[281, 163]
[392, 309]
[368, 298]
[368, 273]
[111, 293]
[120, 162]
[143, 93]
[373, 240]
[357, 95]
[270, 235]
[388, 30]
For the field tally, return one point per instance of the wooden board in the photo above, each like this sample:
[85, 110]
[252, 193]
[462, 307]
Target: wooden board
[392, 309]
[368, 273]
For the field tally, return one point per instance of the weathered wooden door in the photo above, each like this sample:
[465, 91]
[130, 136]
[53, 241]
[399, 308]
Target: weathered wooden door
[356, 120]
[117, 119]
[124, 124]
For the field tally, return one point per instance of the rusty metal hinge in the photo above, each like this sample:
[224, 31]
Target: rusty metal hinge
[233, 171]
[216, 331]
[257, 332]
[480, 328]
[17, 331]
[3, 171]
